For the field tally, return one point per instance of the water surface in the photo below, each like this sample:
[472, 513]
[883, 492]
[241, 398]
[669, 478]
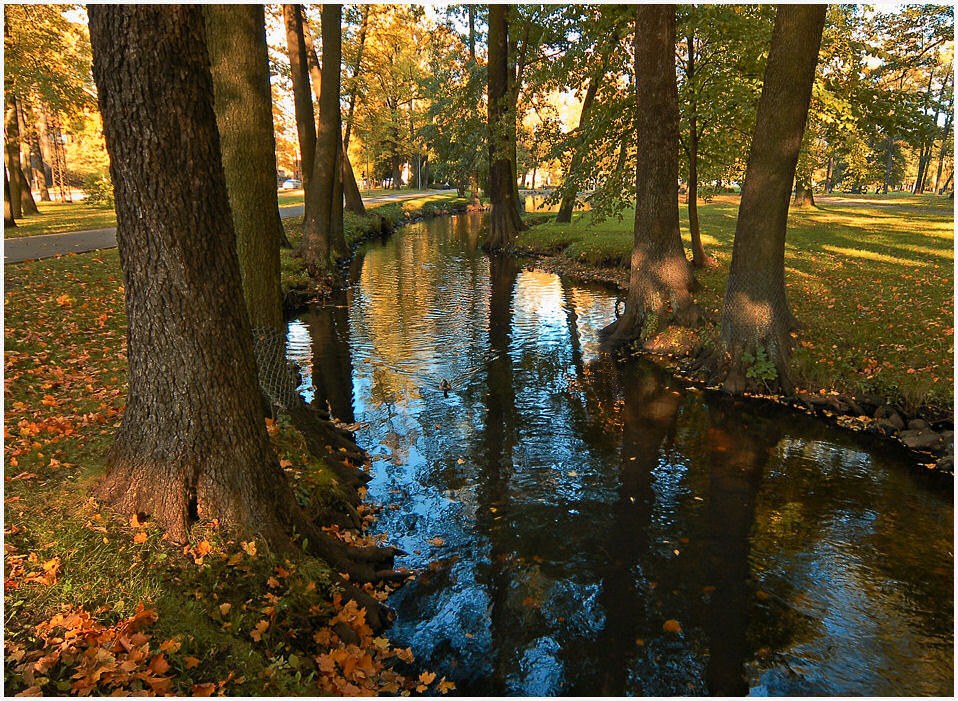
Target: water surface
[566, 510]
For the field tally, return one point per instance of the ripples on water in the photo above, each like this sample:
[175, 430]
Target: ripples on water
[563, 508]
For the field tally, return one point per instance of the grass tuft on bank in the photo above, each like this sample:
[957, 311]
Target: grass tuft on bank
[871, 277]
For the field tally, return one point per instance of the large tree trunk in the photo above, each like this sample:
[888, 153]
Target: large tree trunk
[302, 102]
[569, 189]
[661, 280]
[756, 314]
[354, 200]
[347, 180]
[323, 223]
[17, 183]
[192, 443]
[237, 46]
[504, 220]
[8, 219]
[699, 257]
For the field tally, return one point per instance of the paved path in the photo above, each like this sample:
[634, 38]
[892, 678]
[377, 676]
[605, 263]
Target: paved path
[49, 245]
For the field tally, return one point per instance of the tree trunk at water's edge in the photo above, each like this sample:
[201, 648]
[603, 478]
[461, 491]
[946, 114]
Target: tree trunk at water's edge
[323, 223]
[302, 102]
[236, 36]
[504, 220]
[354, 201]
[756, 318]
[192, 444]
[661, 280]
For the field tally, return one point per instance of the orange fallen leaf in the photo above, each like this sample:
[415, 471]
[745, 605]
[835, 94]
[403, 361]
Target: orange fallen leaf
[139, 537]
[159, 665]
[257, 632]
[191, 662]
[672, 626]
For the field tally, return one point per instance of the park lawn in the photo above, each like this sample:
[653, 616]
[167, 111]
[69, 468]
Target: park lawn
[217, 616]
[59, 217]
[871, 277]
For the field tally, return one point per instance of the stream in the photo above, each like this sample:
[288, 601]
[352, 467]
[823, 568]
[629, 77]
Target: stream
[586, 527]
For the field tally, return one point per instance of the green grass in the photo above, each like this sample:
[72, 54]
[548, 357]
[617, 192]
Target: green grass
[60, 217]
[870, 276]
[57, 217]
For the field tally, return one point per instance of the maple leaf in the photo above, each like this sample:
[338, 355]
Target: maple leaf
[139, 537]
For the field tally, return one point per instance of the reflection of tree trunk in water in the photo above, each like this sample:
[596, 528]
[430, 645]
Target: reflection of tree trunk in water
[648, 416]
[332, 368]
[498, 441]
[568, 304]
[737, 462]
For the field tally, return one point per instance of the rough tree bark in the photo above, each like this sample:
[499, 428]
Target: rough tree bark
[699, 258]
[756, 312]
[504, 220]
[236, 36]
[661, 279]
[302, 102]
[192, 443]
[323, 222]
[569, 190]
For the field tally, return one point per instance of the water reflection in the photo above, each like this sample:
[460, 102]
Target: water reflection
[564, 508]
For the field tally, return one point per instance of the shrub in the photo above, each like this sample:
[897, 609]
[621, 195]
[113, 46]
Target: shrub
[99, 190]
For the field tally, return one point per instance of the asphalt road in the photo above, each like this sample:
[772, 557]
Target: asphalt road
[50, 245]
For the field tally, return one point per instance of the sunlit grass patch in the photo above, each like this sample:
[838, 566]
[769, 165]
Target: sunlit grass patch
[871, 280]
[55, 217]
